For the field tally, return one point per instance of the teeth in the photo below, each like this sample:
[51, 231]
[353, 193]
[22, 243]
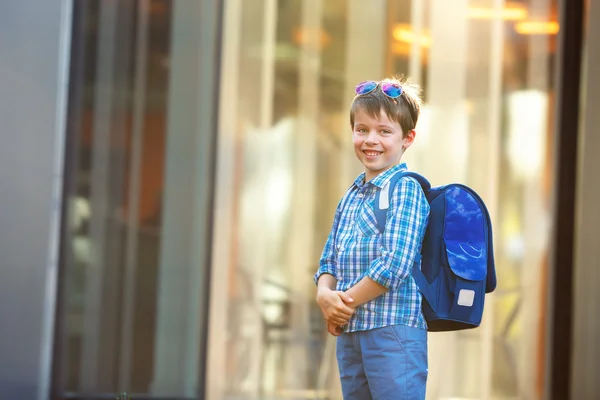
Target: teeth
[370, 153]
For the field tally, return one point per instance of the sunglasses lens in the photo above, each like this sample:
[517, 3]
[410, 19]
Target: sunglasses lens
[391, 90]
[365, 87]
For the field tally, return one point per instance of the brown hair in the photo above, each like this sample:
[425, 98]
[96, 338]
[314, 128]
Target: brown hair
[404, 109]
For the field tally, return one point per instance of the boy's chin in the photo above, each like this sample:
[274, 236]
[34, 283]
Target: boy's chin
[375, 170]
[375, 166]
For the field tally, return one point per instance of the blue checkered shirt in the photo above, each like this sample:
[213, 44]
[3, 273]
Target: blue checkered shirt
[355, 248]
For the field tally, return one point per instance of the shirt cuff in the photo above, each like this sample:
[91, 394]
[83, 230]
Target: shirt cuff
[379, 273]
[324, 269]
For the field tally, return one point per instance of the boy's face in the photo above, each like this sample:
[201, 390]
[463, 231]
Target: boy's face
[378, 142]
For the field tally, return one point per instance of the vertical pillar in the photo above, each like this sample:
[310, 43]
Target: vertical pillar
[586, 321]
[447, 89]
[225, 202]
[359, 67]
[359, 41]
[446, 101]
[99, 199]
[567, 117]
[187, 202]
[301, 261]
[33, 111]
[531, 116]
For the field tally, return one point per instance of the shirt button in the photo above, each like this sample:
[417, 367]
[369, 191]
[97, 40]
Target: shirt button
[360, 195]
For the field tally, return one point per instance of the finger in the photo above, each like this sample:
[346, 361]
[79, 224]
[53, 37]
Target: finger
[345, 297]
[340, 304]
[338, 321]
[334, 330]
[330, 327]
[343, 312]
[339, 317]
[339, 312]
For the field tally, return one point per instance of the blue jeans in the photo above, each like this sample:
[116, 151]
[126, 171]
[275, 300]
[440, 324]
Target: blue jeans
[383, 364]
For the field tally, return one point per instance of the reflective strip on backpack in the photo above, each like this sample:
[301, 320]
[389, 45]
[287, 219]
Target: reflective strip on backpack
[384, 197]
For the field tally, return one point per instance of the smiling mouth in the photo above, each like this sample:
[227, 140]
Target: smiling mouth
[370, 153]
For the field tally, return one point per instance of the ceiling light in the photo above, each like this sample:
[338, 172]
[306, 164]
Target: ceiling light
[404, 33]
[512, 13]
[537, 27]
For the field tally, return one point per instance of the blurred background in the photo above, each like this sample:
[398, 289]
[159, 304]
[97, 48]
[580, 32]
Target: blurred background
[170, 171]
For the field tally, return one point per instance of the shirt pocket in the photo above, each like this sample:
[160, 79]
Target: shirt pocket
[366, 221]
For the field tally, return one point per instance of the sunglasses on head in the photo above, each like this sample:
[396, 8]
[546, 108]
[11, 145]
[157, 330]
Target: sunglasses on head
[391, 90]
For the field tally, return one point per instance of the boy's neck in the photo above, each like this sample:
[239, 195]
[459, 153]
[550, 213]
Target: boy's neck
[367, 179]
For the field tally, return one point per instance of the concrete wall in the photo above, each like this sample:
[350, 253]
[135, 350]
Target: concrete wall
[34, 43]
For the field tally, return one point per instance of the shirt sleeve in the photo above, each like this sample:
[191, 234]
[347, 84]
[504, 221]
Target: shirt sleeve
[403, 235]
[327, 263]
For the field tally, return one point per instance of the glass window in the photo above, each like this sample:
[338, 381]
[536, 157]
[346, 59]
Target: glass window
[136, 239]
[288, 72]
[203, 177]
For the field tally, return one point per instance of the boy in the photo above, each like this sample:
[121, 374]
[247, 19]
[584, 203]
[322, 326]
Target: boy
[365, 289]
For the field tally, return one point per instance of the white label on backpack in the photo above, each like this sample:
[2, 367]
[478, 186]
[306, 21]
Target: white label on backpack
[466, 297]
[384, 197]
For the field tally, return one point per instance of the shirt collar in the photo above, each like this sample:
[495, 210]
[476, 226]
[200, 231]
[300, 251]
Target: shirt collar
[381, 179]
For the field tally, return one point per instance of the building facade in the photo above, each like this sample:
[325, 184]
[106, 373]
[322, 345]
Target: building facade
[171, 170]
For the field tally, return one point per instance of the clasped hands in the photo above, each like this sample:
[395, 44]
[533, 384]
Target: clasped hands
[336, 307]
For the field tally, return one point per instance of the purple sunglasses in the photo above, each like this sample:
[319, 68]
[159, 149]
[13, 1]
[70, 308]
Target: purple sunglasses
[391, 90]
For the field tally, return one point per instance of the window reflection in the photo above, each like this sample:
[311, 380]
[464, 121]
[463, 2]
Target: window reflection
[140, 187]
[487, 76]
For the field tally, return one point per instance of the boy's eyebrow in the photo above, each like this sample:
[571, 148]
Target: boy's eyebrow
[378, 124]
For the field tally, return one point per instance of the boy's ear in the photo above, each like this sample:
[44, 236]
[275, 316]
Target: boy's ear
[409, 138]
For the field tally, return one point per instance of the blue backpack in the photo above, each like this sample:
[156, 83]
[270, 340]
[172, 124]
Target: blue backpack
[457, 257]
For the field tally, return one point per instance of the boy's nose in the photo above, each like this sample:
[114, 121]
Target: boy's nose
[372, 137]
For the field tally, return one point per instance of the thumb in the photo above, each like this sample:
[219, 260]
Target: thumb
[346, 297]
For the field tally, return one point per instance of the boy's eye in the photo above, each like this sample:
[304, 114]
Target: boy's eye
[361, 130]
[386, 132]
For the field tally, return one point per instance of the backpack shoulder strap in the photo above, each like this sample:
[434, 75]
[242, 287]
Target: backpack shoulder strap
[384, 196]
[344, 199]
[425, 185]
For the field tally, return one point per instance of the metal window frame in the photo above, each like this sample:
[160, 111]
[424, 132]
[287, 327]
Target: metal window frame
[560, 306]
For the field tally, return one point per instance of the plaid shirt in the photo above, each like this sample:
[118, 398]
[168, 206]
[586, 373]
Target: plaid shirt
[355, 248]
